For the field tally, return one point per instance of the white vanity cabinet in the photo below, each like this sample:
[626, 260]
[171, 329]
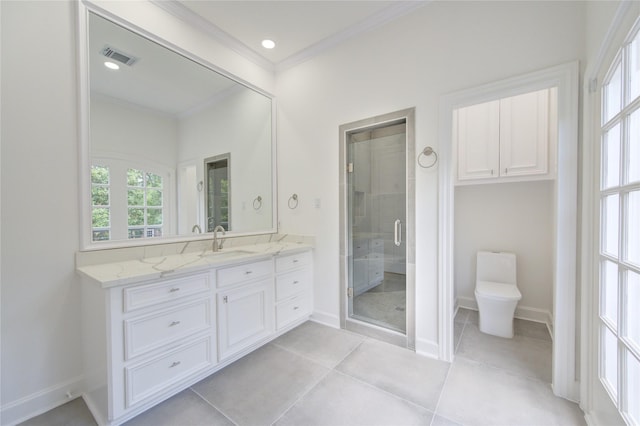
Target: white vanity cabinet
[146, 339]
[245, 306]
[506, 139]
[368, 263]
[293, 288]
[143, 341]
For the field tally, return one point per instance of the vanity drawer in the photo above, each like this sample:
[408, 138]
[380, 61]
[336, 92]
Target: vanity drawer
[241, 273]
[152, 294]
[292, 310]
[376, 245]
[293, 261]
[146, 379]
[360, 247]
[148, 332]
[291, 283]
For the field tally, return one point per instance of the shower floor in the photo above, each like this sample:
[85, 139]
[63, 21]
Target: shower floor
[385, 304]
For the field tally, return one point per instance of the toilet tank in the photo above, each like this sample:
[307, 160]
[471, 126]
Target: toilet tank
[499, 267]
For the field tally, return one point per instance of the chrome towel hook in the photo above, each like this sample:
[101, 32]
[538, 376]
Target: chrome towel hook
[293, 201]
[428, 151]
[257, 203]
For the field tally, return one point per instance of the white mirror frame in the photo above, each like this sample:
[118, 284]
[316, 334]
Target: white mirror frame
[84, 152]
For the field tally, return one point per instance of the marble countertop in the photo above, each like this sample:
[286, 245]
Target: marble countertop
[134, 271]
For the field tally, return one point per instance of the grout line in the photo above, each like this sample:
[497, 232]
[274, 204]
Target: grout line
[302, 395]
[394, 395]
[444, 383]
[211, 404]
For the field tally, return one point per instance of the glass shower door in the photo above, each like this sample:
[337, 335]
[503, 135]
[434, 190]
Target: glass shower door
[377, 216]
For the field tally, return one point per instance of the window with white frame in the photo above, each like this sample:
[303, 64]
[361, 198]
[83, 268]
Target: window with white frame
[619, 251]
[129, 199]
[100, 203]
[144, 204]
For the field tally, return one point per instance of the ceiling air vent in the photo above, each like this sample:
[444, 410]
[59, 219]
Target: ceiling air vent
[118, 55]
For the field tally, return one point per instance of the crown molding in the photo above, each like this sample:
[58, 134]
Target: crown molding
[376, 20]
[193, 19]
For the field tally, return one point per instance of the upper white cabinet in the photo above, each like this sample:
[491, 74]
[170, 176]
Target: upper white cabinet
[508, 139]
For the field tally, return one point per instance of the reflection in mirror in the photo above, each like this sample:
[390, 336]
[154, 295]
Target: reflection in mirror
[218, 191]
[162, 131]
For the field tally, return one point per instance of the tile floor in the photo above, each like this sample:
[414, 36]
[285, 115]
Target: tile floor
[316, 375]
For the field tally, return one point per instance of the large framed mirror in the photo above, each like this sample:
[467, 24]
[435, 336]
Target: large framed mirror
[152, 118]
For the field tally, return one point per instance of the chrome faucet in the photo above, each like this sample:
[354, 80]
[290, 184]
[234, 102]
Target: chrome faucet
[217, 246]
[196, 227]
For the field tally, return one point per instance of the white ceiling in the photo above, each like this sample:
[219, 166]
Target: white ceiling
[299, 28]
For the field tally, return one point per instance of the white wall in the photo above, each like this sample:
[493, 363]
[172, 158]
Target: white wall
[240, 125]
[40, 298]
[40, 212]
[512, 217]
[121, 128]
[440, 48]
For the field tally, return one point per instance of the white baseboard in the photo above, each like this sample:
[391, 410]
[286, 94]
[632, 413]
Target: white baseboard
[522, 312]
[326, 319]
[427, 348]
[40, 402]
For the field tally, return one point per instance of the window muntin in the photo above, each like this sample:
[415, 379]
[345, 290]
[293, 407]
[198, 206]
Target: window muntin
[100, 203]
[144, 204]
[619, 251]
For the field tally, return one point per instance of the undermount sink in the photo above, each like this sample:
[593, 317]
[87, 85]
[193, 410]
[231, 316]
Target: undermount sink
[226, 254]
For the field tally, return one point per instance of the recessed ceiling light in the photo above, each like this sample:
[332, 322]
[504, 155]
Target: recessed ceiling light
[112, 65]
[268, 44]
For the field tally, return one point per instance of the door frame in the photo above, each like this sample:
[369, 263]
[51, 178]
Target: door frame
[566, 78]
[406, 340]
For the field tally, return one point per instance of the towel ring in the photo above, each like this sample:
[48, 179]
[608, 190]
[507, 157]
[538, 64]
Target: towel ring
[293, 200]
[200, 186]
[427, 152]
[257, 203]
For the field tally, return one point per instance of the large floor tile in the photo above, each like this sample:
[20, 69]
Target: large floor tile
[183, 409]
[536, 330]
[521, 355]
[257, 389]
[397, 370]
[325, 345]
[341, 400]
[478, 394]
[462, 315]
[73, 413]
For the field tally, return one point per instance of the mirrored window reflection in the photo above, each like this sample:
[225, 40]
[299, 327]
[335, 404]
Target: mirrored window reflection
[100, 205]
[144, 204]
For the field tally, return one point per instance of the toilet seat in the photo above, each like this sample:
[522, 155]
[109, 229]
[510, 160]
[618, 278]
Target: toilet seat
[498, 291]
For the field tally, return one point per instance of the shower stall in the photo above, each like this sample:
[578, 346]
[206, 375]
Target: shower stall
[375, 197]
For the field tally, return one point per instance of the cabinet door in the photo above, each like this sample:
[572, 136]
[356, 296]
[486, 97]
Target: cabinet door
[524, 134]
[245, 316]
[477, 130]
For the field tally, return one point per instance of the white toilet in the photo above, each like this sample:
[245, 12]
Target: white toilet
[496, 292]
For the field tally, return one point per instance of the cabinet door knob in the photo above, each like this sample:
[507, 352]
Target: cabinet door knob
[491, 172]
[174, 289]
[174, 364]
[174, 323]
[295, 282]
[295, 308]
[506, 170]
[295, 260]
[225, 299]
[248, 272]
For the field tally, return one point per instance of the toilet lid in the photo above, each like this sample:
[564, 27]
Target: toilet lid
[498, 290]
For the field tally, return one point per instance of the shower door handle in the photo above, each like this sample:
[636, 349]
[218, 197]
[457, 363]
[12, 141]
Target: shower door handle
[397, 233]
